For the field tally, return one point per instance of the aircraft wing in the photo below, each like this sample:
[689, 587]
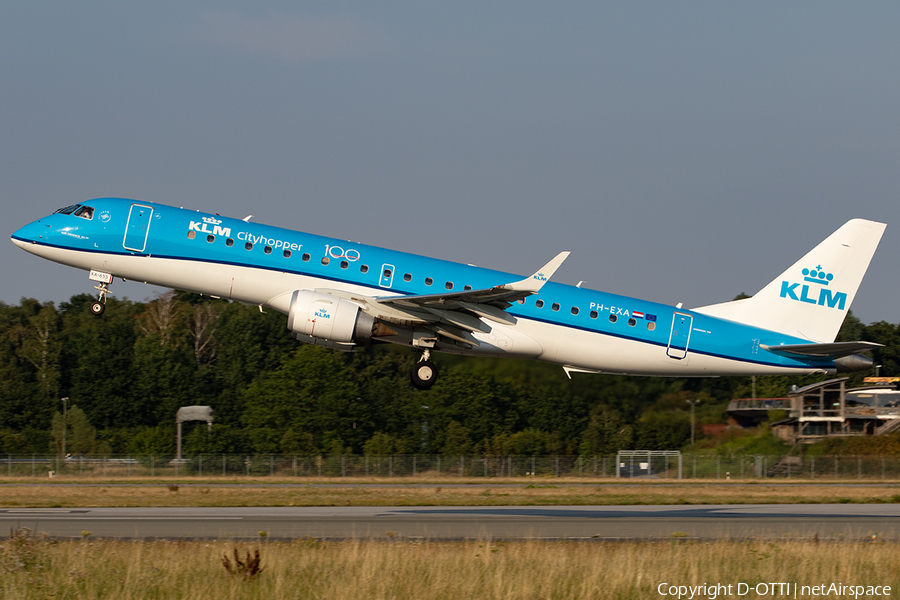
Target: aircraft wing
[832, 350]
[501, 296]
[456, 315]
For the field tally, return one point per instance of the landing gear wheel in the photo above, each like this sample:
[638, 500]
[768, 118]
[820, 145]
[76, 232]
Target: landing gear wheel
[424, 375]
[99, 305]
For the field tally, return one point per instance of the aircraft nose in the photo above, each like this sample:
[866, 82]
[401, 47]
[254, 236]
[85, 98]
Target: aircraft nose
[27, 235]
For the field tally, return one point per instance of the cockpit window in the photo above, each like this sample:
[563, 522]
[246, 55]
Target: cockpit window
[85, 212]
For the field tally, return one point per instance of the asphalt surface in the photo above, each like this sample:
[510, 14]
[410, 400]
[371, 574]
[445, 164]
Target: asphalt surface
[749, 521]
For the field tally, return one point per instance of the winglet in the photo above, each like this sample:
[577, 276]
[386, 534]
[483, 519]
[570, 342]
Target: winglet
[534, 283]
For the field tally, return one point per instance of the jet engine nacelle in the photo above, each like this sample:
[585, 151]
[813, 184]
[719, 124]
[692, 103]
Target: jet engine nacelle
[326, 320]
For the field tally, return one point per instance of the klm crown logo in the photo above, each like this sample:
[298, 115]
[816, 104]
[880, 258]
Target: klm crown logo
[817, 275]
[212, 220]
[801, 292]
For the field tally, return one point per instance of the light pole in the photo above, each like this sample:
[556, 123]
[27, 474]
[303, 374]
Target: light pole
[693, 403]
[877, 369]
[65, 426]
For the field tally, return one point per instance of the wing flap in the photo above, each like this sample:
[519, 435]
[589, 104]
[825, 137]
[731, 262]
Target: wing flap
[489, 312]
[461, 320]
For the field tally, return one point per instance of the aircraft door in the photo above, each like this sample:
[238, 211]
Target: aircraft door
[387, 275]
[137, 228]
[680, 335]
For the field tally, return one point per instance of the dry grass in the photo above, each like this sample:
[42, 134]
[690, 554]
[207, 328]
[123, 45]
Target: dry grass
[309, 569]
[527, 494]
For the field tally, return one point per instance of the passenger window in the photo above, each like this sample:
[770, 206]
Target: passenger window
[594, 314]
[468, 288]
[429, 281]
[539, 304]
[363, 268]
[192, 235]
[651, 326]
[268, 249]
[229, 242]
[449, 285]
[386, 274]
[407, 277]
[85, 212]
[248, 246]
[574, 310]
[325, 260]
[555, 306]
[613, 318]
[344, 264]
[632, 322]
[287, 253]
[210, 238]
[305, 257]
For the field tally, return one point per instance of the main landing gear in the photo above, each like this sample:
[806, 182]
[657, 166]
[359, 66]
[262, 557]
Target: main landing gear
[424, 373]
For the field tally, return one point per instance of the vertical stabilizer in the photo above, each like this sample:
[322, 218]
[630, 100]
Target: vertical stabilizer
[811, 298]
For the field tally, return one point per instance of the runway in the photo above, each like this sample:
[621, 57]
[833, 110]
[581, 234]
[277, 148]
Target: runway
[765, 521]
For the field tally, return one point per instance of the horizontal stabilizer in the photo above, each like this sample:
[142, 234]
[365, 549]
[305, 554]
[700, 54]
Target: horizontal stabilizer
[834, 350]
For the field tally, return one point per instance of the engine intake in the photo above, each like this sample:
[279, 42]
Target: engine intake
[316, 317]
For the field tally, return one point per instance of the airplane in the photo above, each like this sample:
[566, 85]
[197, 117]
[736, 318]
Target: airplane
[345, 295]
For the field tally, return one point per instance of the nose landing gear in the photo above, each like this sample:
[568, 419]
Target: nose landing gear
[424, 373]
[98, 306]
[104, 280]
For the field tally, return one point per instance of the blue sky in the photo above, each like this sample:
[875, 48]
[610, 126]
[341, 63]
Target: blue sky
[684, 152]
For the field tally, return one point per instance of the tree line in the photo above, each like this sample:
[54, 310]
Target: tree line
[125, 375]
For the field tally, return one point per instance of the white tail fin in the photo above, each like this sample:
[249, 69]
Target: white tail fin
[811, 299]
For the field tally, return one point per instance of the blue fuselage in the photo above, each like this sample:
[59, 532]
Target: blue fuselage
[254, 263]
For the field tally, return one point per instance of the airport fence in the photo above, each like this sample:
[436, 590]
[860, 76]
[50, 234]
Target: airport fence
[608, 467]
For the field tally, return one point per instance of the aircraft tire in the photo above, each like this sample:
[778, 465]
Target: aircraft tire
[97, 308]
[424, 375]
